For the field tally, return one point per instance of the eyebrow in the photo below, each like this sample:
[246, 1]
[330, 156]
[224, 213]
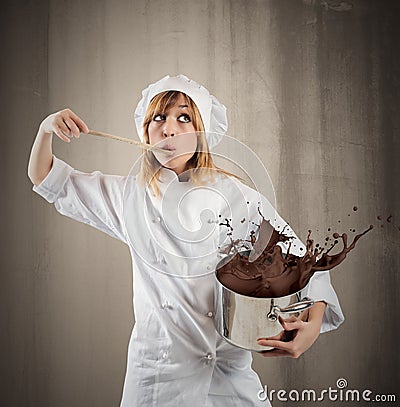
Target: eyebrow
[183, 106]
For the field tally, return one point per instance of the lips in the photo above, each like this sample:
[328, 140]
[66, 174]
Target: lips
[169, 147]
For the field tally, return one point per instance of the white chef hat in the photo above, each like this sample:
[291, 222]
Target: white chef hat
[213, 113]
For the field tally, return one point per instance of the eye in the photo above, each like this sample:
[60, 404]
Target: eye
[184, 118]
[158, 117]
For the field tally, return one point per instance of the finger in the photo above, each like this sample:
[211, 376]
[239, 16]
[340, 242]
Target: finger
[275, 344]
[292, 318]
[290, 326]
[284, 348]
[283, 320]
[273, 353]
[80, 123]
[74, 128]
[60, 134]
[277, 337]
[284, 336]
[63, 127]
[304, 315]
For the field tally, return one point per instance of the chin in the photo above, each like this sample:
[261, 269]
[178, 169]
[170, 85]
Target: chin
[178, 162]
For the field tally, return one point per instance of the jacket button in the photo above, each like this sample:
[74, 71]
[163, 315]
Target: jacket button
[209, 357]
[165, 305]
[210, 314]
[164, 355]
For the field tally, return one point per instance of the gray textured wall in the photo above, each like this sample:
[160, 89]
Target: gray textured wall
[311, 86]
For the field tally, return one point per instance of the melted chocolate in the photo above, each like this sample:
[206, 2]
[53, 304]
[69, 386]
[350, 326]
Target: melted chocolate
[267, 272]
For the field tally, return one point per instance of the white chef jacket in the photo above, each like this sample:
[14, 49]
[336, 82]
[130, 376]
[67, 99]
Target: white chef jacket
[175, 356]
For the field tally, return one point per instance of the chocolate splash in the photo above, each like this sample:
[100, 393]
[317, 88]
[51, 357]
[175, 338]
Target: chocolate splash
[267, 272]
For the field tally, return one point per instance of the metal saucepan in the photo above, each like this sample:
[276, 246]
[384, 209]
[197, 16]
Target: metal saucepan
[241, 319]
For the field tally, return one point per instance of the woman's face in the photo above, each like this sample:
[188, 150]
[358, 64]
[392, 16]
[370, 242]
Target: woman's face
[174, 130]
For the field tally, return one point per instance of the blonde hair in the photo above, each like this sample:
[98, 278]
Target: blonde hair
[201, 163]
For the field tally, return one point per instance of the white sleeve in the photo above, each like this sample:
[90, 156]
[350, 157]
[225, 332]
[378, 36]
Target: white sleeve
[94, 199]
[320, 288]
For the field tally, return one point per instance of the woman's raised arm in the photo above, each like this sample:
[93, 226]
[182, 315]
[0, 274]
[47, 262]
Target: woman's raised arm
[65, 124]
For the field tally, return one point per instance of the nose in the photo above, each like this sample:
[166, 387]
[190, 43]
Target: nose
[167, 133]
[168, 129]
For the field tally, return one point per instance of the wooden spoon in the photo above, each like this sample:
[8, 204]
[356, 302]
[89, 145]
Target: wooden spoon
[130, 141]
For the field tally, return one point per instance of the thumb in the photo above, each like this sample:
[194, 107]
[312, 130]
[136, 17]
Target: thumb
[291, 325]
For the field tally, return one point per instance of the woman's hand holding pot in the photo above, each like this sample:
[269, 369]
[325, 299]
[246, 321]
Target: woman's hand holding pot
[298, 334]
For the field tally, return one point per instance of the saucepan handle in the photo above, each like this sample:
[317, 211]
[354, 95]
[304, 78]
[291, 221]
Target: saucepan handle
[301, 305]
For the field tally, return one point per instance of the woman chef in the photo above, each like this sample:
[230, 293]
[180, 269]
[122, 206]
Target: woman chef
[169, 214]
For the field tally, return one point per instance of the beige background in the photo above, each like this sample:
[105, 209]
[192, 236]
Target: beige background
[311, 86]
